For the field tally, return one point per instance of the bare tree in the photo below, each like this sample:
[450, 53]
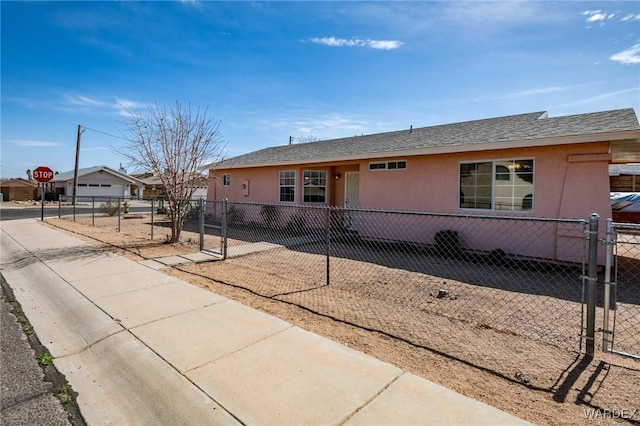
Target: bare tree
[174, 144]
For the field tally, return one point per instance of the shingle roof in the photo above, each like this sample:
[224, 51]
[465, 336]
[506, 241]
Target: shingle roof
[18, 182]
[470, 135]
[62, 177]
[624, 169]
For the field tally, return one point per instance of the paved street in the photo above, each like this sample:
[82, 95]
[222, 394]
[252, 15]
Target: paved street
[8, 211]
[25, 397]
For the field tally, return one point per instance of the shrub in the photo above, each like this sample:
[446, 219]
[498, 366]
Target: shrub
[110, 207]
[234, 215]
[447, 242]
[270, 214]
[297, 224]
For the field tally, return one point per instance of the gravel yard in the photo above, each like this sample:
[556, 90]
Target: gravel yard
[492, 340]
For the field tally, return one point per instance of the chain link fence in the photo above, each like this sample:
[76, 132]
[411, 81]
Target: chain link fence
[445, 282]
[150, 216]
[624, 290]
[433, 280]
[518, 298]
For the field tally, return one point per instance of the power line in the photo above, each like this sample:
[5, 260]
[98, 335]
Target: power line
[104, 133]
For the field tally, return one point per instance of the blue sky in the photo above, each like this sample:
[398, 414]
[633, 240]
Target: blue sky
[271, 70]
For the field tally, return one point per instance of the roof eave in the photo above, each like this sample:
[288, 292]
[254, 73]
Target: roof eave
[449, 149]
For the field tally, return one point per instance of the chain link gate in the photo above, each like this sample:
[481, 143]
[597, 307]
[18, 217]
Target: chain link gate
[621, 319]
[213, 215]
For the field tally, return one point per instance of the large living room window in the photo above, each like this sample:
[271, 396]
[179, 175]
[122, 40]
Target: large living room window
[287, 186]
[497, 185]
[315, 186]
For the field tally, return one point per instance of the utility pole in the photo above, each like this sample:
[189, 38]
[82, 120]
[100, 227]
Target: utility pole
[75, 171]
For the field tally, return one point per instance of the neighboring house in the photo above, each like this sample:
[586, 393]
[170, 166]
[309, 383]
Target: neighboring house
[19, 189]
[624, 177]
[153, 186]
[527, 165]
[99, 181]
[625, 188]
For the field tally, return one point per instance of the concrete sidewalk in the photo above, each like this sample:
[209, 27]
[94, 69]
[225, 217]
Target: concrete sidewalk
[141, 347]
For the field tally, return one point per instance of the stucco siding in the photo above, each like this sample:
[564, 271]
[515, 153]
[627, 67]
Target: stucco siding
[569, 182]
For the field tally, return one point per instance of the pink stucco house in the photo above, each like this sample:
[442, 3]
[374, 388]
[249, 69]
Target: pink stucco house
[527, 165]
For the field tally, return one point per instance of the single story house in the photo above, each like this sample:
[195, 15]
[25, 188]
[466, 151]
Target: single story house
[153, 186]
[625, 192]
[99, 181]
[624, 177]
[19, 189]
[527, 165]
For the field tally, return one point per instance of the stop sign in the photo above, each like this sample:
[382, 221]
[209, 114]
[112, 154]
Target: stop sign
[42, 174]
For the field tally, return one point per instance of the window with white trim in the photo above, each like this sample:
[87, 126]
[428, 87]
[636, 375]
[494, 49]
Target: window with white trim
[497, 185]
[314, 186]
[287, 185]
[226, 179]
[388, 165]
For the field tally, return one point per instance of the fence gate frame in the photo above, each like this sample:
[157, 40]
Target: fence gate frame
[611, 268]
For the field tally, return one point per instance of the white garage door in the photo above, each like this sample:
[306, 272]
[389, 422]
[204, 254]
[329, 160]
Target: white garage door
[101, 190]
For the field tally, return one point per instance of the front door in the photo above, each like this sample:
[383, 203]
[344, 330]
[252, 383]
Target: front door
[351, 199]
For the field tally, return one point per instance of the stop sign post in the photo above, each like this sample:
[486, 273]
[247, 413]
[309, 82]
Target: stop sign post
[43, 175]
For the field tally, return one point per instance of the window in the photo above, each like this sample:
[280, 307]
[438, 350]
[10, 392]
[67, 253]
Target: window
[497, 185]
[315, 186]
[287, 186]
[394, 165]
[226, 179]
[388, 165]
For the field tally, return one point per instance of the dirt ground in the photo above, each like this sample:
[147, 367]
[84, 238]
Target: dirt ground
[540, 380]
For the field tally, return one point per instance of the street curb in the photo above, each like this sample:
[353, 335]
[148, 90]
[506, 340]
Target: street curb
[52, 376]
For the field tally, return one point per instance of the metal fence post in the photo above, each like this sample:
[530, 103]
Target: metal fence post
[93, 211]
[592, 278]
[152, 207]
[606, 332]
[118, 201]
[223, 232]
[59, 205]
[328, 245]
[201, 222]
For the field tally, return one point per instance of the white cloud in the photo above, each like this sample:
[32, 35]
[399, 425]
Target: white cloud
[533, 92]
[596, 17]
[385, 44]
[125, 107]
[357, 42]
[630, 18]
[85, 101]
[501, 14]
[628, 56]
[599, 98]
[33, 143]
